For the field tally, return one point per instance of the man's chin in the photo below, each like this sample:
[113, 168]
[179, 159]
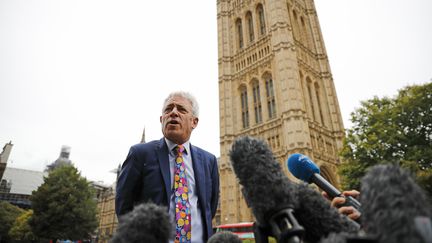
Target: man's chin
[174, 137]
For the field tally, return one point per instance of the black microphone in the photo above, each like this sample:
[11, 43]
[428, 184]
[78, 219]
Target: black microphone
[395, 208]
[145, 223]
[304, 169]
[224, 237]
[282, 208]
[266, 190]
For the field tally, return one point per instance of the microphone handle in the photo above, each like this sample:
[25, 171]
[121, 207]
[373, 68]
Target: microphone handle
[332, 191]
[350, 201]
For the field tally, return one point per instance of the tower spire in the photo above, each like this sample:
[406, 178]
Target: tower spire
[4, 156]
[143, 136]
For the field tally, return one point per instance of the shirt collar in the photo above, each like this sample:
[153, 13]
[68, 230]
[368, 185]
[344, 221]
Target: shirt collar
[171, 145]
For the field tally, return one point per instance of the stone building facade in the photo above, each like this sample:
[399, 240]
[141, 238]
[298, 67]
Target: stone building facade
[275, 83]
[106, 212]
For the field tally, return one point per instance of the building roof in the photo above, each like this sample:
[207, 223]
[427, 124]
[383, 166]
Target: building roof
[23, 181]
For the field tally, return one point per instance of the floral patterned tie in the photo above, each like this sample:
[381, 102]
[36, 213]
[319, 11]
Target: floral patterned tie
[182, 206]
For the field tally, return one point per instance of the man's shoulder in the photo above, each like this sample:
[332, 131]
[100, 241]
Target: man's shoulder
[203, 151]
[147, 146]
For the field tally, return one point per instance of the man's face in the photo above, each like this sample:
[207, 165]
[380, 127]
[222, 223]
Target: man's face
[177, 120]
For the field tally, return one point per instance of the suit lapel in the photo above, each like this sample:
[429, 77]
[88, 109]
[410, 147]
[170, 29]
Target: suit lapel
[162, 153]
[199, 174]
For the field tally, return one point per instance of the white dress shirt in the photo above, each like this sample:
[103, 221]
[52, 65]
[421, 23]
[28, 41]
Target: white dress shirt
[197, 229]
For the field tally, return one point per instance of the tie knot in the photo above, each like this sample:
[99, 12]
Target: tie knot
[180, 148]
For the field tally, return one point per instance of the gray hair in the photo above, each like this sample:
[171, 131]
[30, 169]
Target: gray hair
[186, 95]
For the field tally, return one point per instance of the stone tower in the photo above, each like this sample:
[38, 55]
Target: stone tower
[275, 83]
[62, 160]
[4, 156]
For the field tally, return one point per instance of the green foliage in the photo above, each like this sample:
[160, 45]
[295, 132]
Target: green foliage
[21, 229]
[8, 214]
[64, 206]
[391, 130]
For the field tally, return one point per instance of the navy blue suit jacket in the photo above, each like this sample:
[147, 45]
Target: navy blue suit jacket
[145, 177]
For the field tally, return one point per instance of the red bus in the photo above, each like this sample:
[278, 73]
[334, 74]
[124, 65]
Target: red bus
[244, 230]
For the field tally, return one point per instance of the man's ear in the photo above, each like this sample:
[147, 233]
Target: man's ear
[160, 119]
[195, 122]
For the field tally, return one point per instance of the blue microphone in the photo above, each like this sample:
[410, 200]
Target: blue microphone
[306, 170]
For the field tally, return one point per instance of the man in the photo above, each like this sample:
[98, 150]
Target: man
[173, 173]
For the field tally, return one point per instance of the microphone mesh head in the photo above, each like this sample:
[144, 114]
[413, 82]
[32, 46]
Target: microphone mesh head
[302, 167]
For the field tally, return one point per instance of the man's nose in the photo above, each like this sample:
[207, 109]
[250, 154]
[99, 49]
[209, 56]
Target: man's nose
[174, 111]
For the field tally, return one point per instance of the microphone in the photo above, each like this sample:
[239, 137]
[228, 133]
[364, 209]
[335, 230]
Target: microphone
[304, 169]
[397, 209]
[282, 209]
[266, 190]
[224, 237]
[147, 222]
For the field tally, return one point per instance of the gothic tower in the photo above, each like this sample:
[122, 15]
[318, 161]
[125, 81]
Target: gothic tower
[275, 83]
[4, 156]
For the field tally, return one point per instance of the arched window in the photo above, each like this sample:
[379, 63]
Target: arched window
[310, 93]
[250, 26]
[239, 32]
[244, 107]
[257, 101]
[306, 33]
[295, 26]
[261, 18]
[303, 32]
[328, 175]
[303, 91]
[318, 95]
[271, 101]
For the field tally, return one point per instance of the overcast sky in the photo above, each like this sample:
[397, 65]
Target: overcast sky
[91, 74]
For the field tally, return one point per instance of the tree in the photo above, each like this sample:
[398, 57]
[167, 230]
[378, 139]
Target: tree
[391, 130]
[64, 206]
[21, 228]
[8, 214]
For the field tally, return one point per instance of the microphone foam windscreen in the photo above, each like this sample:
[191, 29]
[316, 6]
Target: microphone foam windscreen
[145, 223]
[335, 238]
[391, 202]
[224, 237]
[348, 238]
[318, 217]
[265, 187]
